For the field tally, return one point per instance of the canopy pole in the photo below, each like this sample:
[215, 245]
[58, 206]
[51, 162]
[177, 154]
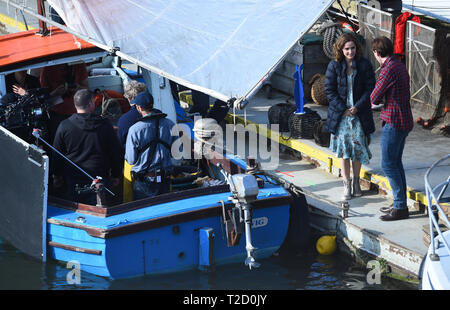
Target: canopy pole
[43, 30]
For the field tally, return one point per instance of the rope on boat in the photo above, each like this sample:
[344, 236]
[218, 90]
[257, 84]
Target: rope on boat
[330, 32]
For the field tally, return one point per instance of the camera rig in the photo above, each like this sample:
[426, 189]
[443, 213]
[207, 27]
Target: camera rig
[26, 112]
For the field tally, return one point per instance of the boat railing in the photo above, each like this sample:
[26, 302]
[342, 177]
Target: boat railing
[435, 197]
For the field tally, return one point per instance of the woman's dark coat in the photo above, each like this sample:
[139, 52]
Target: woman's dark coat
[336, 91]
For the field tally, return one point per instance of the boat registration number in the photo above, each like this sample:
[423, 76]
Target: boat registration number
[260, 222]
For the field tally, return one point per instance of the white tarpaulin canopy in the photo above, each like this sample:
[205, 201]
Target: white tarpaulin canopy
[222, 48]
[439, 9]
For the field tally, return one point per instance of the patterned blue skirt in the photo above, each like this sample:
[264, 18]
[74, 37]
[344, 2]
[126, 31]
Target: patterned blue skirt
[350, 141]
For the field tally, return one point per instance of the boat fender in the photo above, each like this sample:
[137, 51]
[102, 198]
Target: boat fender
[326, 245]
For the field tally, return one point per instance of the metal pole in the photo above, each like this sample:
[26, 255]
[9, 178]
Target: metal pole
[41, 11]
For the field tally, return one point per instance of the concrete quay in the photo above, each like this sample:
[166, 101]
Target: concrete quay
[399, 246]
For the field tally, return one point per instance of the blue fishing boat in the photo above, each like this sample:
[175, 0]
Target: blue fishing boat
[172, 232]
[240, 214]
[435, 270]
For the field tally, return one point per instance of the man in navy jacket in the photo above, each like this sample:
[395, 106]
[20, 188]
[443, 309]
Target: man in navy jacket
[128, 119]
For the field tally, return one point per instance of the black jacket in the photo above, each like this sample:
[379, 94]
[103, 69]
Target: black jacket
[336, 91]
[90, 142]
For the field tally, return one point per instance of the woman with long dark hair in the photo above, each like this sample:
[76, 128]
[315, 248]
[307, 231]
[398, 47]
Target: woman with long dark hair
[349, 81]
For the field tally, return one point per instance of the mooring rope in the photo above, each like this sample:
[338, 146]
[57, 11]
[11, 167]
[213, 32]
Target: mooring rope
[330, 32]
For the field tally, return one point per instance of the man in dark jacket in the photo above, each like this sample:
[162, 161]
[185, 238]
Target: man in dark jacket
[131, 90]
[91, 143]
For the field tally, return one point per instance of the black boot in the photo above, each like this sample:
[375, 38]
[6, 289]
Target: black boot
[396, 214]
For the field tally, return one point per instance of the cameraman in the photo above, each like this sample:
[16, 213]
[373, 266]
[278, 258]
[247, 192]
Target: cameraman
[18, 104]
[89, 141]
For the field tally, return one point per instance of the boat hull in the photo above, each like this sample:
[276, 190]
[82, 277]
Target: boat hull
[165, 244]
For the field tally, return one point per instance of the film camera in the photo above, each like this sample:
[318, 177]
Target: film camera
[20, 114]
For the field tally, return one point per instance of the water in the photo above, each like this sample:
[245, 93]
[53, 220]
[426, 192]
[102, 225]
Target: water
[305, 271]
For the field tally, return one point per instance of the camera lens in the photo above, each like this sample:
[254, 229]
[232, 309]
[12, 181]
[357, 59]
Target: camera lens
[37, 111]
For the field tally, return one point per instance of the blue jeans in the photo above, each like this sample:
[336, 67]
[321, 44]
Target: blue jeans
[392, 145]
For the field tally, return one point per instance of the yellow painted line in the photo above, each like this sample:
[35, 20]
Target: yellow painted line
[4, 19]
[292, 143]
[329, 159]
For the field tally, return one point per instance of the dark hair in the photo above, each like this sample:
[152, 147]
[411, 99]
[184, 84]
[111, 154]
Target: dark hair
[341, 41]
[383, 46]
[82, 98]
[148, 108]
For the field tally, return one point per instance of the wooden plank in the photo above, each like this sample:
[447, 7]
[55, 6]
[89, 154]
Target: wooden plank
[282, 83]
[73, 248]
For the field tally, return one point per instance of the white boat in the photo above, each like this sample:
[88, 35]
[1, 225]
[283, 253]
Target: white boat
[435, 271]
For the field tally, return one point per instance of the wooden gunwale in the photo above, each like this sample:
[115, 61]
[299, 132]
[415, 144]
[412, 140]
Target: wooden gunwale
[134, 205]
[167, 220]
[74, 248]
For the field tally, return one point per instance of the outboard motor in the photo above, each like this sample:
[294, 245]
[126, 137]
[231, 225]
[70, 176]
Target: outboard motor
[245, 190]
